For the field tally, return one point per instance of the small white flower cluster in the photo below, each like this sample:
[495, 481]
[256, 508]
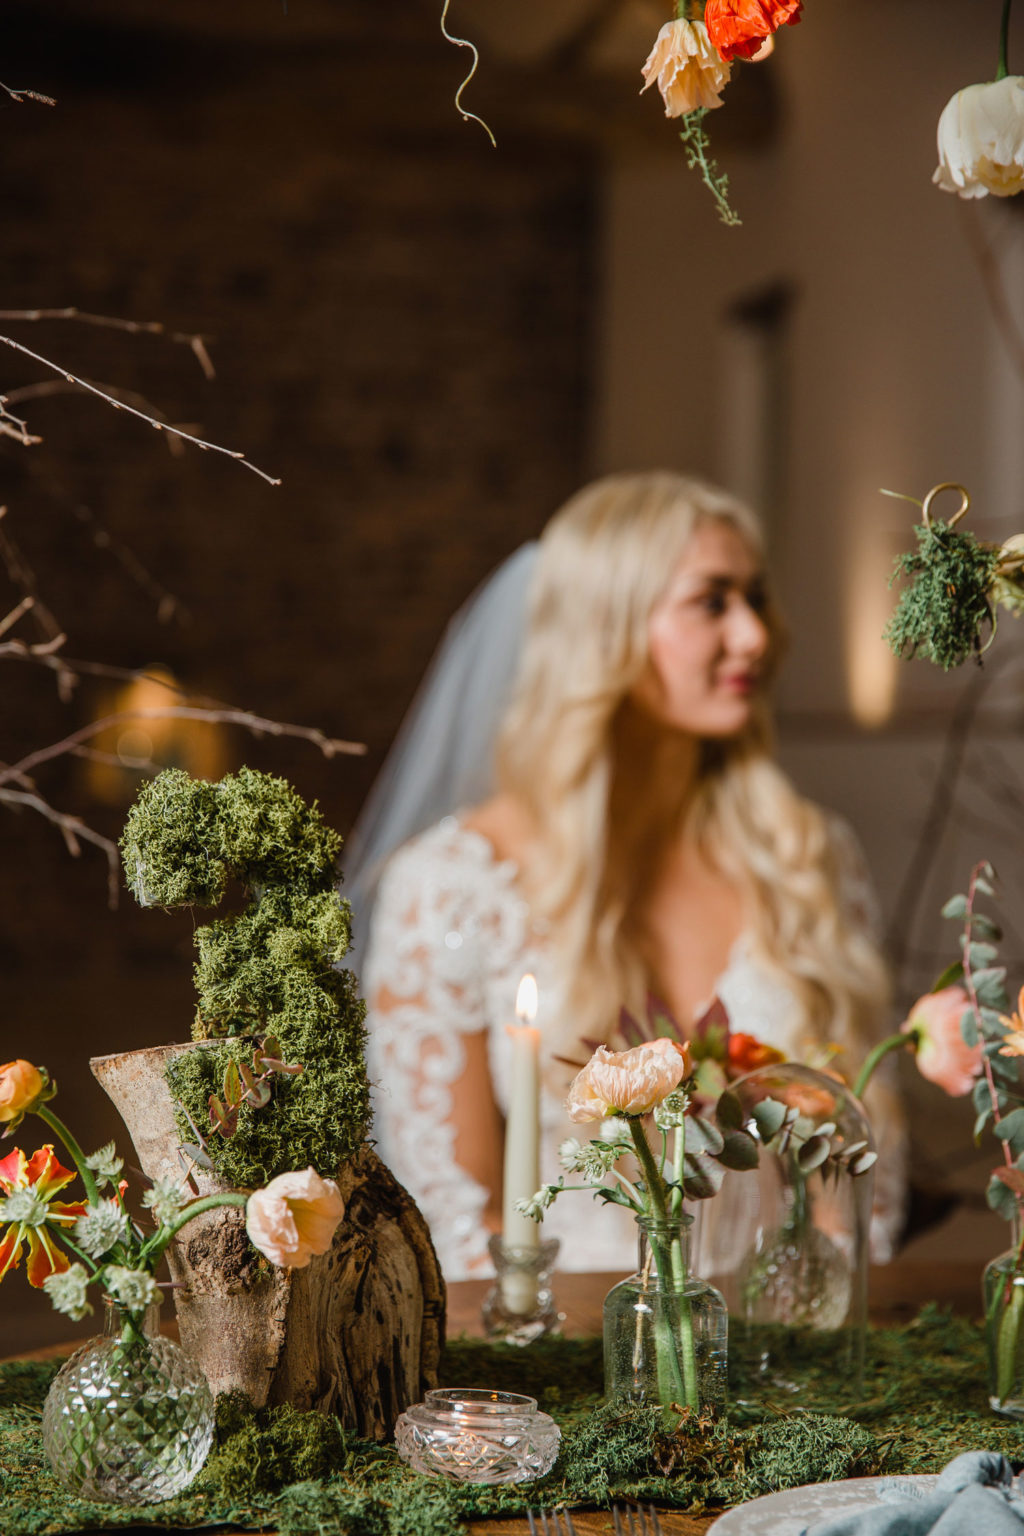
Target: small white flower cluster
[105, 1164]
[592, 1159]
[668, 1115]
[538, 1203]
[165, 1199]
[99, 1227]
[133, 1288]
[24, 1207]
[67, 1290]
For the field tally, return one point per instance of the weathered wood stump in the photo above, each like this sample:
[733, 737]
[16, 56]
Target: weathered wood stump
[358, 1332]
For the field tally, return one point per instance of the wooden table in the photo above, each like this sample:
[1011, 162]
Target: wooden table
[896, 1293]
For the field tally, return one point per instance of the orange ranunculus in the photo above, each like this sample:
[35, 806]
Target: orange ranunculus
[294, 1217]
[942, 1054]
[628, 1082]
[43, 1174]
[21, 1085]
[738, 28]
[747, 1053]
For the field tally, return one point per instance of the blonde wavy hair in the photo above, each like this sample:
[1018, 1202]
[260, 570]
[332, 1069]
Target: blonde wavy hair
[605, 560]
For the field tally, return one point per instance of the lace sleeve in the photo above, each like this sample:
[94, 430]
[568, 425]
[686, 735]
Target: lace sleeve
[427, 1022]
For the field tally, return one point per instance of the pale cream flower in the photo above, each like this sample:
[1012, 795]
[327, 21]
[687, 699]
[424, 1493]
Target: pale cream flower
[627, 1082]
[688, 69]
[981, 140]
[294, 1217]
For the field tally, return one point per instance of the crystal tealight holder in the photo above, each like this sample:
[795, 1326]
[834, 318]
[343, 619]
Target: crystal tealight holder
[520, 1306]
[474, 1435]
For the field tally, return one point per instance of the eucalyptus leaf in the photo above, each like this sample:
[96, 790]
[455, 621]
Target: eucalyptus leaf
[1011, 1129]
[861, 1163]
[969, 1028]
[979, 955]
[702, 1178]
[769, 1116]
[729, 1111]
[950, 976]
[702, 1136]
[981, 1122]
[984, 927]
[740, 1152]
[813, 1153]
[955, 907]
[990, 987]
[1001, 1199]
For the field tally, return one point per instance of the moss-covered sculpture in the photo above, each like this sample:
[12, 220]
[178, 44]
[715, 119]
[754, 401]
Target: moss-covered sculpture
[269, 970]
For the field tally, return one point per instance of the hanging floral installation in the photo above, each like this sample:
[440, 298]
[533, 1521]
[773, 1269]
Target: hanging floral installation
[981, 132]
[691, 62]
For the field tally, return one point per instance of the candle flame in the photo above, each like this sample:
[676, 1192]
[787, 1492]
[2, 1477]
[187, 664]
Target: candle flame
[526, 999]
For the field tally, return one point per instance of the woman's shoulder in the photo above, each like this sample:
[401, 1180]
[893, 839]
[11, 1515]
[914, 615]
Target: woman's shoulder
[453, 856]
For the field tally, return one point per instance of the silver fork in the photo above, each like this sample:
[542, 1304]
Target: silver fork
[550, 1522]
[638, 1521]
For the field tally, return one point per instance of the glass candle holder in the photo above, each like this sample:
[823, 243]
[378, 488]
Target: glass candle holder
[477, 1436]
[520, 1306]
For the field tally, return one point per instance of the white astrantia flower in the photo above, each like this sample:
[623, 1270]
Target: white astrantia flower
[166, 1199]
[99, 1228]
[592, 1159]
[105, 1164]
[67, 1289]
[133, 1288]
[981, 140]
[24, 1207]
[538, 1203]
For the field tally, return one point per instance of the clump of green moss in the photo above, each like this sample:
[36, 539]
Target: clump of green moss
[270, 969]
[943, 612]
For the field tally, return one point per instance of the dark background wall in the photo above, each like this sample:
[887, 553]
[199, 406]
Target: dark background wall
[398, 319]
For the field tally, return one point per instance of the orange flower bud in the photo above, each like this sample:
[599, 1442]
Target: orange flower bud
[21, 1087]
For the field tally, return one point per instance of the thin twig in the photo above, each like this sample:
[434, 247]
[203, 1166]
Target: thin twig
[73, 830]
[463, 42]
[26, 95]
[118, 405]
[329, 746]
[190, 339]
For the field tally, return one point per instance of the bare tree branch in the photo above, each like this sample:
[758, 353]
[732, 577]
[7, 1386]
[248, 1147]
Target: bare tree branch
[191, 339]
[119, 405]
[73, 830]
[25, 95]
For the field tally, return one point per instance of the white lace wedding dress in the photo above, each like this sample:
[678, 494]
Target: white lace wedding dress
[450, 940]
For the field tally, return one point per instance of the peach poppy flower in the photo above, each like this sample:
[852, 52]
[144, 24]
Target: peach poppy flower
[628, 1082]
[942, 1054]
[294, 1217]
[689, 72]
[738, 28]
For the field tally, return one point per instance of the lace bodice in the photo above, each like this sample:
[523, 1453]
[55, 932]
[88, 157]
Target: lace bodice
[451, 938]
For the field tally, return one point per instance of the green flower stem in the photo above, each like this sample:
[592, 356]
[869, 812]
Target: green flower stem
[1007, 1341]
[57, 1125]
[891, 1043]
[153, 1251]
[1004, 41]
[670, 1348]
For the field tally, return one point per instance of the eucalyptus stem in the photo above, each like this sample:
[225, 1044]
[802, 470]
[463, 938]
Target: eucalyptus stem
[1004, 41]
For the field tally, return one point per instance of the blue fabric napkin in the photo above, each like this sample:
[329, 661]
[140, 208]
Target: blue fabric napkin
[974, 1496]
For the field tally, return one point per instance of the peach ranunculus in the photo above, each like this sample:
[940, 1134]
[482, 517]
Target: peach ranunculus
[21, 1087]
[689, 72]
[943, 1055]
[738, 28]
[981, 140]
[294, 1217]
[628, 1082]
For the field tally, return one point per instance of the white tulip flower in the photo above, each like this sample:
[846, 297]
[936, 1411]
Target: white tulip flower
[981, 140]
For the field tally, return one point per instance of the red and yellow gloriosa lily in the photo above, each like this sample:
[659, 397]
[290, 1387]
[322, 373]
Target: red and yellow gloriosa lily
[44, 1172]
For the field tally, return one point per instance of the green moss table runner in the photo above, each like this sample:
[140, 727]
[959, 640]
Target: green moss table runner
[925, 1399]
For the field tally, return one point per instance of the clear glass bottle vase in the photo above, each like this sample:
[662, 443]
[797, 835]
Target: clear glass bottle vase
[665, 1330]
[1003, 1291]
[129, 1418]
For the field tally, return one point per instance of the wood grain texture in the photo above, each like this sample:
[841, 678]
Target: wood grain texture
[357, 1332]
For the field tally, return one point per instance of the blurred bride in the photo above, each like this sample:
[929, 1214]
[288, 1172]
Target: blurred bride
[627, 832]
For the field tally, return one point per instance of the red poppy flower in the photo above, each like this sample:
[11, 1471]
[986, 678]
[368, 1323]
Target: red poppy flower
[43, 1174]
[739, 27]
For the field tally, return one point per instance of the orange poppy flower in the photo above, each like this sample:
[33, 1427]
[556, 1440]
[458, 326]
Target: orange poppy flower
[43, 1174]
[738, 28]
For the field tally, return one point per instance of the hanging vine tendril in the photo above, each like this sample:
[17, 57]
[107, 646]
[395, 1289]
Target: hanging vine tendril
[463, 42]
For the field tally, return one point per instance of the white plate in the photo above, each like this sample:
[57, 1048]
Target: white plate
[790, 1513]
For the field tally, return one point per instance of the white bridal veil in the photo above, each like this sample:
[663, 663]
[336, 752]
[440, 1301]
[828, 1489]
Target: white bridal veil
[443, 756]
